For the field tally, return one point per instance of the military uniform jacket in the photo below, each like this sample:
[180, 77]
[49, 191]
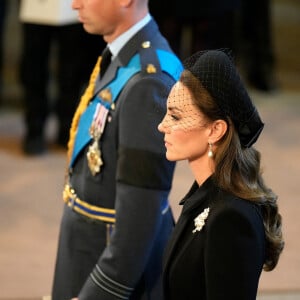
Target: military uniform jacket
[135, 180]
[221, 260]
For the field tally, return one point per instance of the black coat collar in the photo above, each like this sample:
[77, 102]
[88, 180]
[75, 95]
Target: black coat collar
[199, 196]
[195, 201]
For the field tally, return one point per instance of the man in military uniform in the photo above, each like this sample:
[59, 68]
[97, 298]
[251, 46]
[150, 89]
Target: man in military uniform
[116, 219]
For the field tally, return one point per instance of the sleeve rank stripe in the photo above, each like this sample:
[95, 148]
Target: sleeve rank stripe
[109, 285]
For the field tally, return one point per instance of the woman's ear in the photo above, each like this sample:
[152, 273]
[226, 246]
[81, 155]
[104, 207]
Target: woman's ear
[218, 129]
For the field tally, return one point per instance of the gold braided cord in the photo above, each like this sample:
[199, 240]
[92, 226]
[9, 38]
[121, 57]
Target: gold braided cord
[84, 101]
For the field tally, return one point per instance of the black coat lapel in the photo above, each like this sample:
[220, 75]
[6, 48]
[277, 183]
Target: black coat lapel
[197, 199]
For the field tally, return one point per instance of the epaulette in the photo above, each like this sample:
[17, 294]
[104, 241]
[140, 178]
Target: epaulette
[154, 60]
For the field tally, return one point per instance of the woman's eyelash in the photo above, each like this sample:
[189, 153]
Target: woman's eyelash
[174, 117]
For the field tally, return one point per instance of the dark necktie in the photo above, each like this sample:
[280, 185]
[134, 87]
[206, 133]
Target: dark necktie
[106, 59]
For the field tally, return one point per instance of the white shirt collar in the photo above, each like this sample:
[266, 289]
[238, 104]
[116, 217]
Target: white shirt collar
[121, 40]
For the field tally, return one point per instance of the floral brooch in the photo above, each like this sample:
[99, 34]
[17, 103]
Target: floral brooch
[199, 220]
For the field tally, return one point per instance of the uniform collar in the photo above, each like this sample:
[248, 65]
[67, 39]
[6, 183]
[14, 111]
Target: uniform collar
[122, 40]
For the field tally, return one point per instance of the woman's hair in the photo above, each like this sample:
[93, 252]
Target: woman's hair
[238, 171]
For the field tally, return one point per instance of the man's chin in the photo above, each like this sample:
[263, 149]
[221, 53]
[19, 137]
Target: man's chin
[88, 29]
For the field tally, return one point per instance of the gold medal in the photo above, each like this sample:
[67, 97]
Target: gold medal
[96, 129]
[106, 95]
[94, 158]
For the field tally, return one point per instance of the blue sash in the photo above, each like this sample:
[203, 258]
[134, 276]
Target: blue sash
[169, 63]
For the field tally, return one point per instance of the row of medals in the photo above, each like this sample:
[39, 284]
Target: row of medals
[96, 129]
[94, 153]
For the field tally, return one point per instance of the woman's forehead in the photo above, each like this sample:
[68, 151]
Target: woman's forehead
[180, 95]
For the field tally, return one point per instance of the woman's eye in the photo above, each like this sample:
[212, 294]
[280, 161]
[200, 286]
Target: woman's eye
[174, 117]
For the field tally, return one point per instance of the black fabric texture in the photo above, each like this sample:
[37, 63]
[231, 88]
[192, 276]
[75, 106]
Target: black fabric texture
[144, 169]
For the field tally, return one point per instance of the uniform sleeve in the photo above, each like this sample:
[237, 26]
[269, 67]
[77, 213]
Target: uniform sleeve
[144, 179]
[234, 254]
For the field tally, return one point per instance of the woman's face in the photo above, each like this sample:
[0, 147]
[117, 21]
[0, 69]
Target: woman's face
[185, 128]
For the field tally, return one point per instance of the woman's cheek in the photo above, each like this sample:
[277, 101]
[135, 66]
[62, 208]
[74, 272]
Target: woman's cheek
[176, 128]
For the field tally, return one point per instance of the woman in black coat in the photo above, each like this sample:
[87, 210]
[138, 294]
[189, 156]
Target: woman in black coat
[229, 229]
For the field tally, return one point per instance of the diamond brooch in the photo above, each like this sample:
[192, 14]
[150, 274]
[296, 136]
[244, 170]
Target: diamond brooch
[199, 221]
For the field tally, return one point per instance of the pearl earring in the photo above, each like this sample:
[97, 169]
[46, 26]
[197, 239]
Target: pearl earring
[210, 152]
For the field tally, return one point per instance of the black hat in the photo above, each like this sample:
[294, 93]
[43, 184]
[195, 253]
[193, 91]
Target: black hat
[218, 75]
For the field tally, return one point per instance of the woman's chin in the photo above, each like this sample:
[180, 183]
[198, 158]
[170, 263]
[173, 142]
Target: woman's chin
[170, 157]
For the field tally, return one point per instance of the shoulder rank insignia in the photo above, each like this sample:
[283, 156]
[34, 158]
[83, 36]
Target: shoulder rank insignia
[146, 44]
[151, 68]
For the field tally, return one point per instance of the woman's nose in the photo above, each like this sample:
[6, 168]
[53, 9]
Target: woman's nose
[160, 127]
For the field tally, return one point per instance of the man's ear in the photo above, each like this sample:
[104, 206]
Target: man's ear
[218, 129]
